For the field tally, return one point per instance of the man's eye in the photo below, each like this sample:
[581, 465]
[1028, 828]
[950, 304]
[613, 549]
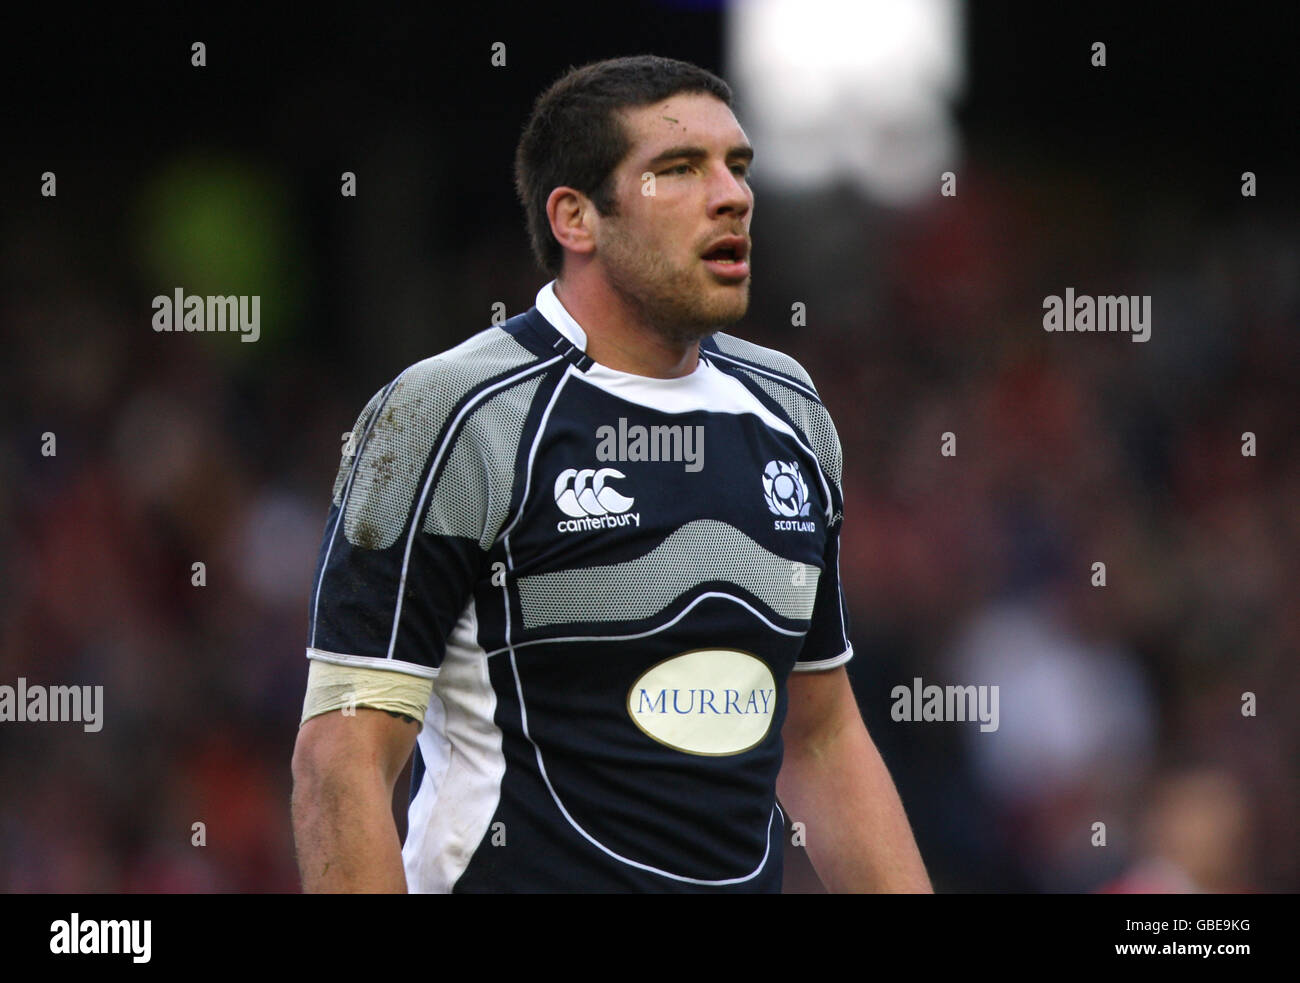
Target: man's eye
[678, 169]
[741, 170]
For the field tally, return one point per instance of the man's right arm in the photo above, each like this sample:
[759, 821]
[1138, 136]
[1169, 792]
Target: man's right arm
[345, 768]
[397, 566]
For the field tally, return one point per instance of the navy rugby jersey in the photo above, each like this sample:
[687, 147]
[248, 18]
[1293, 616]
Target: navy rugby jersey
[609, 579]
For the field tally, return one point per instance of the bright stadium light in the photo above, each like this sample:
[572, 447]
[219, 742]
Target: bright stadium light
[848, 89]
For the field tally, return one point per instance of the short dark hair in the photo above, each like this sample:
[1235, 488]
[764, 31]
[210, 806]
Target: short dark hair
[573, 137]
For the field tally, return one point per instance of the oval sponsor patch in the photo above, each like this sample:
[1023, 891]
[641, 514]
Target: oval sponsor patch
[707, 701]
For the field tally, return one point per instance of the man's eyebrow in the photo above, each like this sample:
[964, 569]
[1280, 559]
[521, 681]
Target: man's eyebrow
[742, 152]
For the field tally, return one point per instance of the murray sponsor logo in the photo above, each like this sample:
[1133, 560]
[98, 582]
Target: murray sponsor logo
[707, 701]
[786, 494]
[99, 937]
[1101, 314]
[236, 314]
[53, 704]
[676, 443]
[591, 501]
[945, 703]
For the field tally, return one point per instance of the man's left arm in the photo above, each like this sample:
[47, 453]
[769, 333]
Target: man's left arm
[834, 781]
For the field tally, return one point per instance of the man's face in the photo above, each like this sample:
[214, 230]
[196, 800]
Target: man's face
[653, 251]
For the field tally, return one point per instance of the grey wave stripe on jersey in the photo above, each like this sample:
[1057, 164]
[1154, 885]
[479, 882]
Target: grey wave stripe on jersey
[700, 551]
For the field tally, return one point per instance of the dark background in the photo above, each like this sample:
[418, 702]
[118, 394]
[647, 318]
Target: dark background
[1119, 704]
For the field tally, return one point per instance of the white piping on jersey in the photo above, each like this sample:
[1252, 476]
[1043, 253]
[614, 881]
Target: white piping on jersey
[821, 664]
[532, 455]
[654, 631]
[372, 662]
[448, 433]
[793, 383]
[541, 766]
[843, 605]
[528, 478]
[343, 505]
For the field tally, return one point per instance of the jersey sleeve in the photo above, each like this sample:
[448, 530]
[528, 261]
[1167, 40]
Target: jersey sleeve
[827, 642]
[391, 582]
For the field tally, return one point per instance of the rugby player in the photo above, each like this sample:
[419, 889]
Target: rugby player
[585, 565]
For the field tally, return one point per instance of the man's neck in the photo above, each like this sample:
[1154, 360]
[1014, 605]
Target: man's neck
[617, 338]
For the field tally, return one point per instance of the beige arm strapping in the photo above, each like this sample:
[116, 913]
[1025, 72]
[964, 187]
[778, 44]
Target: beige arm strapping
[332, 687]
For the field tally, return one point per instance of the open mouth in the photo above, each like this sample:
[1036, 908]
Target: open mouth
[729, 257]
[731, 250]
[723, 254]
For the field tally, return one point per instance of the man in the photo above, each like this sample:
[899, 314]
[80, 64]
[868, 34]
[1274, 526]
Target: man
[586, 562]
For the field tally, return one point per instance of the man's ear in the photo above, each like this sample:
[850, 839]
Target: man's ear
[570, 213]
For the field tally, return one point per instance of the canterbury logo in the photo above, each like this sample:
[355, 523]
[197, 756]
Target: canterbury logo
[581, 493]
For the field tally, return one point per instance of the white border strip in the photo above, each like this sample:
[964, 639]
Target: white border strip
[768, 372]
[372, 662]
[653, 631]
[821, 664]
[532, 452]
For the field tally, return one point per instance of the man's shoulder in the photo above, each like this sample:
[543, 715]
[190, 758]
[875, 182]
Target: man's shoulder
[788, 384]
[766, 360]
[483, 356]
[434, 385]
[412, 414]
[484, 361]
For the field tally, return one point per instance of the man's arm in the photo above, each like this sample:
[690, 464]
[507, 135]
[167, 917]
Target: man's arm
[344, 770]
[834, 781]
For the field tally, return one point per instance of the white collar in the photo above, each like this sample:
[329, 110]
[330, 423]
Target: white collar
[549, 306]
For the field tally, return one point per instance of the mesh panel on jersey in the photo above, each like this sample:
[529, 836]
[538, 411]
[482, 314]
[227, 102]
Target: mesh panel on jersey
[812, 419]
[700, 551]
[766, 357]
[473, 493]
[350, 448]
[406, 426]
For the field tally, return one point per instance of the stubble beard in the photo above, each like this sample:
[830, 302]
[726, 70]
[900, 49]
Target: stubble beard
[671, 300]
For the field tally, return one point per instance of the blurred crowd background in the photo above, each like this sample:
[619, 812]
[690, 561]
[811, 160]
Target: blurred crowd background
[1119, 705]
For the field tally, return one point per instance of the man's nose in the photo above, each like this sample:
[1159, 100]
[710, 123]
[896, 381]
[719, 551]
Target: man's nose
[730, 195]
